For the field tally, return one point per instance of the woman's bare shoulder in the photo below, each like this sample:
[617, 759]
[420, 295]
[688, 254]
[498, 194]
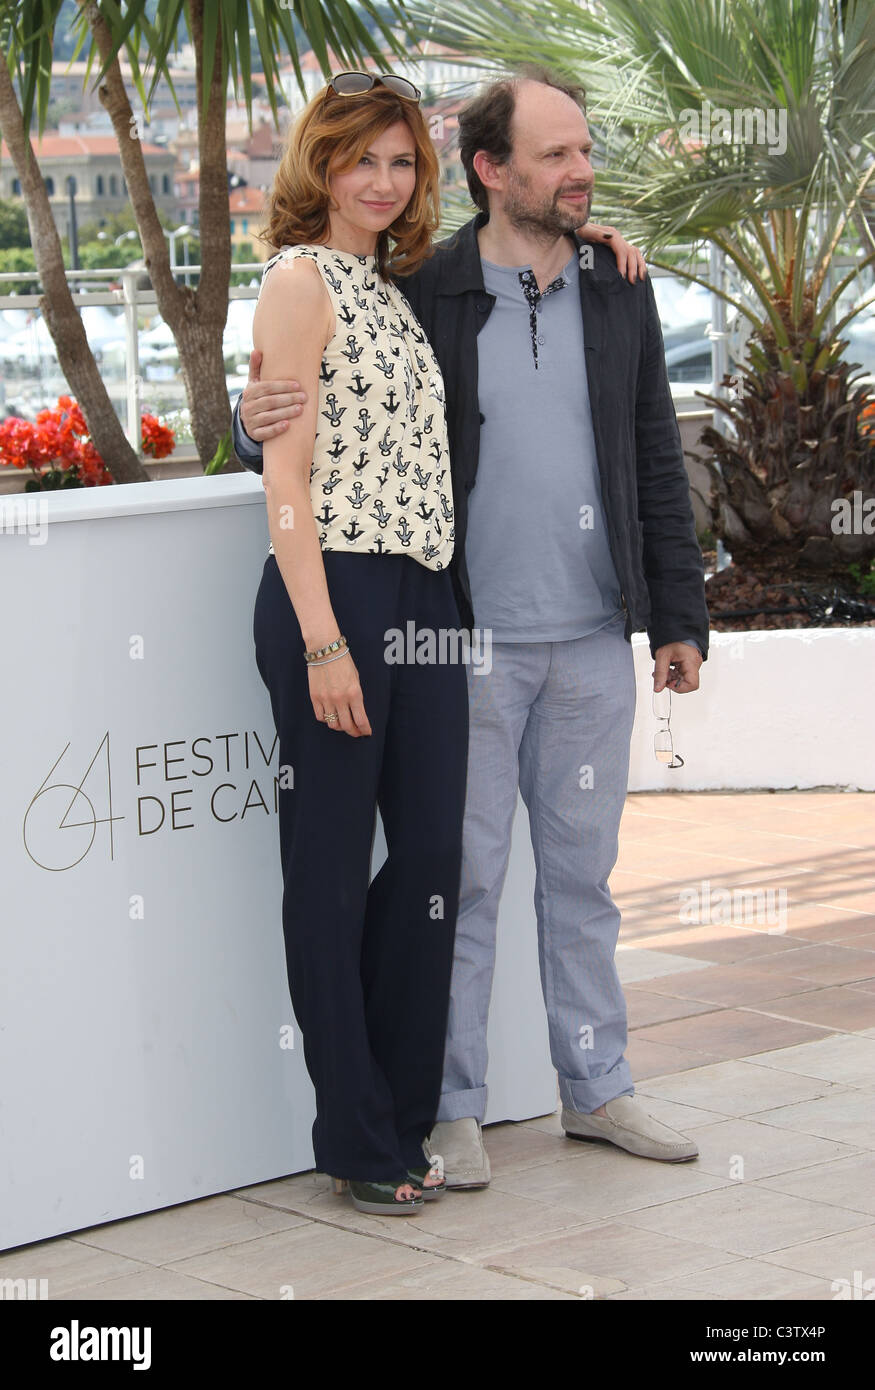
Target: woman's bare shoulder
[293, 288]
[295, 271]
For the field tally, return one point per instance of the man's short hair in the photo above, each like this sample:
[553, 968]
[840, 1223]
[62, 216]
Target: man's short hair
[484, 122]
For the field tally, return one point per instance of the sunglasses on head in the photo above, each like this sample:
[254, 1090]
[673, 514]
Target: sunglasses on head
[352, 84]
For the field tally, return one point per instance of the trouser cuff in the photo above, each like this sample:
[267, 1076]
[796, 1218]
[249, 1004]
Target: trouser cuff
[459, 1105]
[586, 1096]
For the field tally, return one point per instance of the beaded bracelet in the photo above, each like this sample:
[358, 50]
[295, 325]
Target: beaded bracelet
[325, 651]
[345, 652]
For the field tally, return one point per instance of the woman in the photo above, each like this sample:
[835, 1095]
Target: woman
[360, 512]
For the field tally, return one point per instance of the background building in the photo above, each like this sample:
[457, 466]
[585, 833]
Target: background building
[247, 207]
[94, 162]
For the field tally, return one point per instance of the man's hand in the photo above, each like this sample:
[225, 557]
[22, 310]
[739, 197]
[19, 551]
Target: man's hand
[677, 666]
[630, 261]
[266, 407]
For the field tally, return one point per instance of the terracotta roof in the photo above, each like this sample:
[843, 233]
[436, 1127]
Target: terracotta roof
[73, 146]
[246, 200]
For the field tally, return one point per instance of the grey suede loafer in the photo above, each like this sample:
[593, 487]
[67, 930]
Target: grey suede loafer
[630, 1127]
[460, 1142]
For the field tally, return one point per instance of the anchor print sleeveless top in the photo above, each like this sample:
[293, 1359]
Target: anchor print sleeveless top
[380, 479]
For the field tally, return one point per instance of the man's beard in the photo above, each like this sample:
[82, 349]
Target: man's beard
[546, 218]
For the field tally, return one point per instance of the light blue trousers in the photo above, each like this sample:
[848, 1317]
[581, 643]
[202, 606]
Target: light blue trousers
[554, 720]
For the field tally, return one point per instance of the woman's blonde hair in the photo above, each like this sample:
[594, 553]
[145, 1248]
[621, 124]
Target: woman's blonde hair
[331, 135]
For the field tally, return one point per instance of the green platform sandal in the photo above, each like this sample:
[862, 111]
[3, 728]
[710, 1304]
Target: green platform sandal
[435, 1169]
[378, 1198]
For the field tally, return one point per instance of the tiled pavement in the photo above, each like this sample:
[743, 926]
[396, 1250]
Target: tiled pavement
[759, 1043]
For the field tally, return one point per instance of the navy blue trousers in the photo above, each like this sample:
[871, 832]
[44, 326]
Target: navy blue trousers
[369, 965]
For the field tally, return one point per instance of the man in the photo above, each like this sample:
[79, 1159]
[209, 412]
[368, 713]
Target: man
[574, 529]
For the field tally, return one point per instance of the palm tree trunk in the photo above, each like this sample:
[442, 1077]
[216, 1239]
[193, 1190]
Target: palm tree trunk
[61, 315]
[195, 317]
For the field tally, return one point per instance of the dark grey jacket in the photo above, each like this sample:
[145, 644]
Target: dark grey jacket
[644, 483]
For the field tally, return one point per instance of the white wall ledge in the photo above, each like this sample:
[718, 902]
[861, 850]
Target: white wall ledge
[132, 499]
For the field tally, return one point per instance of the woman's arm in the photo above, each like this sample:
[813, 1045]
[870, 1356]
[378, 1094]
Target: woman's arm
[291, 327]
[293, 322]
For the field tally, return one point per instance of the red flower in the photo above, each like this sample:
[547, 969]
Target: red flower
[59, 439]
[158, 440]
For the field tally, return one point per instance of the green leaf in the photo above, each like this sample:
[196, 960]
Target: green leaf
[221, 456]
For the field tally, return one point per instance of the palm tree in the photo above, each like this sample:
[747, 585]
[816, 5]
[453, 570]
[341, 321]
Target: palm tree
[220, 32]
[778, 172]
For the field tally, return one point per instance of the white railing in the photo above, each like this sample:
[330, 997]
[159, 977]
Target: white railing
[132, 298]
